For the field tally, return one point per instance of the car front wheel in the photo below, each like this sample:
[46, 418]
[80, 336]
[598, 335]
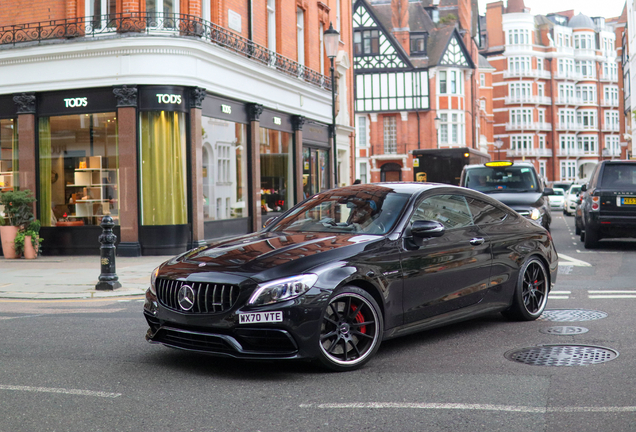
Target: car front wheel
[351, 330]
[531, 293]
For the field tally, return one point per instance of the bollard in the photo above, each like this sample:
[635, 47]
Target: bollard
[108, 279]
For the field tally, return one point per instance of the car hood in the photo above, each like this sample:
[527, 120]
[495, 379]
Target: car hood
[289, 253]
[520, 200]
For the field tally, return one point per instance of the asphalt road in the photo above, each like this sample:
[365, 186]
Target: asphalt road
[84, 366]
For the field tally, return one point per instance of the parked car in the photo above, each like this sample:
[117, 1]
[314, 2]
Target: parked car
[557, 199]
[578, 218]
[337, 274]
[515, 184]
[609, 206]
[571, 199]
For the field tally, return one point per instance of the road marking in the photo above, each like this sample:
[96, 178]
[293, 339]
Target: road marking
[594, 252]
[60, 390]
[560, 292]
[23, 316]
[553, 297]
[611, 294]
[470, 407]
[568, 260]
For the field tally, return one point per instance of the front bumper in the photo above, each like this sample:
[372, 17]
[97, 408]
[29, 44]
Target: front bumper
[220, 334]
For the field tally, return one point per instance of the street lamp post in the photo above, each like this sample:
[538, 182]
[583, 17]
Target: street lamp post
[437, 122]
[498, 144]
[331, 38]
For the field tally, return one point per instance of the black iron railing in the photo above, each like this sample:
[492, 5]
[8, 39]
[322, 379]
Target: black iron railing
[154, 23]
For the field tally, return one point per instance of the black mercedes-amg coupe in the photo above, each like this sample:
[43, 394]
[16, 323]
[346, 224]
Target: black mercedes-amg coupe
[337, 274]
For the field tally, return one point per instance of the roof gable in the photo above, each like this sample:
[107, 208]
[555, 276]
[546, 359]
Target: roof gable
[455, 54]
[390, 54]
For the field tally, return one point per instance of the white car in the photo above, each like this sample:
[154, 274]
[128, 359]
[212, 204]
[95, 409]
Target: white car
[571, 199]
[557, 199]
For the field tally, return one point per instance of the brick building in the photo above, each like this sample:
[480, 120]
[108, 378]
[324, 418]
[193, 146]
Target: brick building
[184, 120]
[557, 98]
[415, 62]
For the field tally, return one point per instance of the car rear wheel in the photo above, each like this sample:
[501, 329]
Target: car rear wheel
[351, 330]
[531, 293]
[591, 239]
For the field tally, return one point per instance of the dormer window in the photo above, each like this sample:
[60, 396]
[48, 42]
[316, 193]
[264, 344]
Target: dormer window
[366, 42]
[418, 43]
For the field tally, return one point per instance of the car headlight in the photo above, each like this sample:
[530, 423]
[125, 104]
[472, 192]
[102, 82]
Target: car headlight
[535, 214]
[153, 278]
[282, 289]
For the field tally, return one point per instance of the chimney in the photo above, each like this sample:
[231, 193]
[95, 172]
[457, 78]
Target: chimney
[400, 22]
[464, 13]
[494, 17]
[515, 6]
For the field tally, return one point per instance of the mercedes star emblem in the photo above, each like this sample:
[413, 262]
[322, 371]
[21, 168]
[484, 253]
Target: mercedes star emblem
[186, 297]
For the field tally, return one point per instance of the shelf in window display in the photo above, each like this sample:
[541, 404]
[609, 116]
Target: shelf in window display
[96, 169]
[90, 185]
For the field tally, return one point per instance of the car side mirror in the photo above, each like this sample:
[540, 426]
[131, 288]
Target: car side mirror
[427, 229]
[583, 188]
[548, 191]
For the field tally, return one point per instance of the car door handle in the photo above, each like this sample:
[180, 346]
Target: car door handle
[476, 241]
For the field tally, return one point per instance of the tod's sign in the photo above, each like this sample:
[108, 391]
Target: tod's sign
[163, 98]
[76, 102]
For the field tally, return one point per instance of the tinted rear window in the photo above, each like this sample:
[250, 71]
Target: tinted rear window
[619, 176]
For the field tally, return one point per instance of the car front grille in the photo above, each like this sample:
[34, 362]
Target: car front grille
[209, 298]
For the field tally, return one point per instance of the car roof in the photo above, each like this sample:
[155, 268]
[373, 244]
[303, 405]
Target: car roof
[402, 187]
[521, 164]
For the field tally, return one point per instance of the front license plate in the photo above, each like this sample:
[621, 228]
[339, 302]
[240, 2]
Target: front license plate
[629, 201]
[260, 317]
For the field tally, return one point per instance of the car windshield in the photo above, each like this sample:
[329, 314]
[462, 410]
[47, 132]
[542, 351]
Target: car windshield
[557, 192]
[574, 190]
[502, 179]
[367, 209]
[619, 176]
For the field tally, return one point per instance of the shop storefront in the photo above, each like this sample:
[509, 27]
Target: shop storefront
[316, 157]
[158, 162]
[8, 145]
[224, 170]
[78, 168]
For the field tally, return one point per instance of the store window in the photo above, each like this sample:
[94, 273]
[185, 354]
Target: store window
[79, 169]
[163, 189]
[8, 155]
[224, 160]
[315, 171]
[277, 170]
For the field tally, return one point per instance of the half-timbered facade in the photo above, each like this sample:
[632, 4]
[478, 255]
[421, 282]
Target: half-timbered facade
[409, 72]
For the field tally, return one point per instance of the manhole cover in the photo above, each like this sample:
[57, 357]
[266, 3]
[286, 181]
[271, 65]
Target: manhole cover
[570, 315]
[562, 355]
[564, 330]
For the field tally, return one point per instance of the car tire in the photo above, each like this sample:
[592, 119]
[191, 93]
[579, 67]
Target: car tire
[591, 239]
[350, 330]
[531, 292]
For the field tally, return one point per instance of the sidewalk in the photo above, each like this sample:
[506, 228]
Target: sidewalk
[72, 277]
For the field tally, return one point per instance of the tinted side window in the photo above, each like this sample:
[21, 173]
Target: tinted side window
[484, 213]
[451, 210]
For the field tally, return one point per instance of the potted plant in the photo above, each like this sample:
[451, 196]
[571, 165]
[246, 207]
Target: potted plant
[18, 213]
[28, 241]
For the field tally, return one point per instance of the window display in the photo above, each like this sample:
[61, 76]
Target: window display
[164, 196]
[224, 169]
[277, 171]
[79, 169]
[8, 155]
[315, 171]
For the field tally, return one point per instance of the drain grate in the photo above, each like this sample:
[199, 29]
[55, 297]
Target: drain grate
[562, 355]
[564, 330]
[570, 315]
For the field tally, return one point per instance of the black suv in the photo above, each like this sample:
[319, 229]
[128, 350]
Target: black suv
[609, 206]
[515, 184]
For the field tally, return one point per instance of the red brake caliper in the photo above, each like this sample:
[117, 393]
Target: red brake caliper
[359, 319]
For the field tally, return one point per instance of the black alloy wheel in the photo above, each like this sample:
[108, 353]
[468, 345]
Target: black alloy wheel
[351, 329]
[531, 293]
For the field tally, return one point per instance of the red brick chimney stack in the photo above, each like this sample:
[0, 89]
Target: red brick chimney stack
[400, 22]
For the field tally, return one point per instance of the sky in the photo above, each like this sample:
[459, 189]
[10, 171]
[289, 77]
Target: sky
[591, 8]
